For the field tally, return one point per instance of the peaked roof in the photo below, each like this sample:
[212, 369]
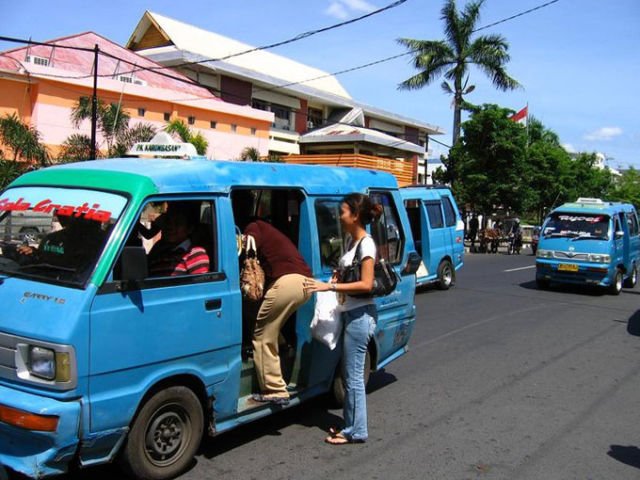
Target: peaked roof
[155, 30]
[340, 132]
[80, 63]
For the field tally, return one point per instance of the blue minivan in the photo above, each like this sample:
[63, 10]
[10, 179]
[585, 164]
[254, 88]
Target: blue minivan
[590, 242]
[438, 232]
[100, 360]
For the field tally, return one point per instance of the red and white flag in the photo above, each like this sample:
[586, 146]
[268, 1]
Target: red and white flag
[520, 116]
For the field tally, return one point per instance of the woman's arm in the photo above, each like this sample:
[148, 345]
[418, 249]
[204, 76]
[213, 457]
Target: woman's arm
[364, 285]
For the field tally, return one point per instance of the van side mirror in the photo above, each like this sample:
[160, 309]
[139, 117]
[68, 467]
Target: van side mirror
[619, 234]
[413, 263]
[133, 264]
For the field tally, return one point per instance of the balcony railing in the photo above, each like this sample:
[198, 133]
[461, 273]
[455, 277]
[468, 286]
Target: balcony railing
[401, 169]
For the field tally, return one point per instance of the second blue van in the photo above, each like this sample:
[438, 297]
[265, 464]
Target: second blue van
[590, 242]
[438, 232]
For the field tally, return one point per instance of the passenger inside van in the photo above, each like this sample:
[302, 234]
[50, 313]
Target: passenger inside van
[177, 253]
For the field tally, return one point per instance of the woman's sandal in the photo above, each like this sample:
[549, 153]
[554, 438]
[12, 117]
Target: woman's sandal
[337, 438]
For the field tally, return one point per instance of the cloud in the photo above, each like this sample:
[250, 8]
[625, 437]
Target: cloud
[342, 9]
[604, 133]
[569, 148]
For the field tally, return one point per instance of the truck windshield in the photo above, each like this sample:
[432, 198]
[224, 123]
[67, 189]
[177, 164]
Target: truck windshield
[576, 225]
[55, 234]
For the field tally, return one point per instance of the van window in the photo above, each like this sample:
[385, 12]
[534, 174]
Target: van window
[449, 212]
[632, 223]
[329, 232]
[387, 231]
[434, 211]
[179, 238]
[577, 225]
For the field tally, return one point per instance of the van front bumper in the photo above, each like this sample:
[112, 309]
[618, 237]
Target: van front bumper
[585, 273]
[38, 435]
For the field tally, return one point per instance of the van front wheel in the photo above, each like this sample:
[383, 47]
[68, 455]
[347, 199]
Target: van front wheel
[616, 286]
[632, 279]
[446, 275]
[165, 436]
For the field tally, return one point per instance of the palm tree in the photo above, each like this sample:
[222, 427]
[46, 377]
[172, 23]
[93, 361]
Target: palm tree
[22, 139]
[453, 56]
[250, 154]
[180, 128]
[112, 120]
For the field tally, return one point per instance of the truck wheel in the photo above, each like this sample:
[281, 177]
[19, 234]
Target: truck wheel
[616, 286]
[164, 436]
[446, 276]
[632, 279]
[337, 389]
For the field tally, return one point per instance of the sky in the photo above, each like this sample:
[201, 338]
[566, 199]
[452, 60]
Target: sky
[578, 61]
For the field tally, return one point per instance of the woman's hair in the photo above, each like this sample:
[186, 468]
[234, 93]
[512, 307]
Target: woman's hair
[361, 205]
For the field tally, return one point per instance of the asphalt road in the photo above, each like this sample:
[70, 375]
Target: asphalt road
[502, 381]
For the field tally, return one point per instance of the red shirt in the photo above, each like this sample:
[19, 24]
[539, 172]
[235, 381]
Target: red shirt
[277, 254]
[182, 260]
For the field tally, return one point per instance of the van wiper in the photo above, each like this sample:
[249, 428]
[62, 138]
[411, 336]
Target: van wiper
[560, 234]
[49, 266]
[589, 237]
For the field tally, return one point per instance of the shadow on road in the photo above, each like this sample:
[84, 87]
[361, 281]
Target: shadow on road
[627, 455]
[584, 290]
[633, 324]
[380, 379]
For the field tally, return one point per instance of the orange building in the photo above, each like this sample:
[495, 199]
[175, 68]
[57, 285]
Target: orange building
[42, 84]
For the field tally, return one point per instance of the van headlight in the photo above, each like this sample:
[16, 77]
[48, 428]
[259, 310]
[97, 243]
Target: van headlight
[599, 258]
[47, 363]
[545, 254]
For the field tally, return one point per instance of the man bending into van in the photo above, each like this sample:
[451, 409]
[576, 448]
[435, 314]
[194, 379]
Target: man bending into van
[175, 253]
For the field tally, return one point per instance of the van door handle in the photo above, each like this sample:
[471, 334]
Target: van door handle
[213, 304]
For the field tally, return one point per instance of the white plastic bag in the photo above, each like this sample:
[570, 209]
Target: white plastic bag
[327, 322]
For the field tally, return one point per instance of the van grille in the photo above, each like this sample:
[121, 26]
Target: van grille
[571, 255]
[8, 356]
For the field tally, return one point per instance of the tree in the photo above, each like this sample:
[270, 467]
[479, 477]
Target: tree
[112, 119]
[627, 188]
[489, 160]
[453, 56]
[9, 170]
[75, 148]
[250, 154]
[180, 128]
[142, 132]
[22, 139]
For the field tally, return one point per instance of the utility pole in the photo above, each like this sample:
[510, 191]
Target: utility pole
[94, 103]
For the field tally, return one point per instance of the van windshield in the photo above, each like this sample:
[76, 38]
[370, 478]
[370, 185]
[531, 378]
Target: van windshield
[577, 226]
[55, 234]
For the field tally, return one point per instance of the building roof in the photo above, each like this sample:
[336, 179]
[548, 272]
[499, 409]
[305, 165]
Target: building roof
[76, 67]
[172, 42]
[211, 45]
[351, 133]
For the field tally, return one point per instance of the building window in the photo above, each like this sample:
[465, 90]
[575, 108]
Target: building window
[253, 131]
[314, 117]
[259, 104]
[141, 112]
[282, 117]
[167, 116]
[213, 124]
[38, 60]
[191, 120]
[234, 127]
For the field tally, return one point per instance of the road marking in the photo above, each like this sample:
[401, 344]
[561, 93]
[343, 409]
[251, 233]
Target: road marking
[521, 268]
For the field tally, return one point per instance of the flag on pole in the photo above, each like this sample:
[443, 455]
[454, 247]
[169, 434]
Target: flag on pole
[520, 116]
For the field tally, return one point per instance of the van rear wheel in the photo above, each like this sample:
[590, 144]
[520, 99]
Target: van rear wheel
[446, 275]
[632, 279]
[616, 286]
[165, 435]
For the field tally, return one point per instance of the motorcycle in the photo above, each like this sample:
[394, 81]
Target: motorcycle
[515, 243]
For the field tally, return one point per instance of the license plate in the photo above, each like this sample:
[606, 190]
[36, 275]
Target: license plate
[568, 267]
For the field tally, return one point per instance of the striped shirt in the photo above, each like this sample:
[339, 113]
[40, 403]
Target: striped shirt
[182, 260]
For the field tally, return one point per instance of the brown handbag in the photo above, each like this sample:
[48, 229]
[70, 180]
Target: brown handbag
[252, 274]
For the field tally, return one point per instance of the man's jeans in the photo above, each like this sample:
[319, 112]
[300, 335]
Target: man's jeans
[359, 326]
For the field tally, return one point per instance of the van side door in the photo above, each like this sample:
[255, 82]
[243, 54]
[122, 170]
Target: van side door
[438, 236]
[394, 241]
[166, 325]
[455, 236]
[634, 237]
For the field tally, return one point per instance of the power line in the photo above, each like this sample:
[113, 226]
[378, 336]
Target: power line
[52, 45]
[516, 15]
